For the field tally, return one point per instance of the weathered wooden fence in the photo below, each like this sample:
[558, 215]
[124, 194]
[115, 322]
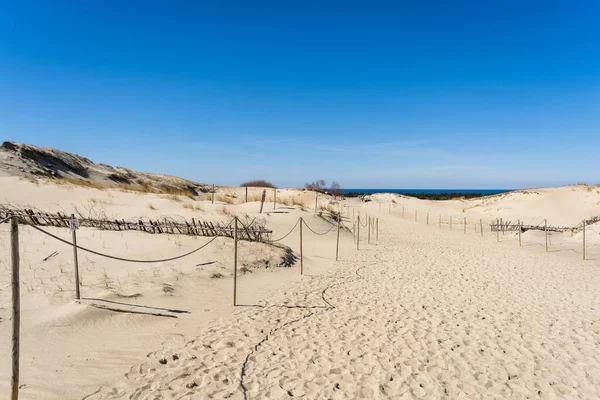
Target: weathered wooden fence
[193, 227]
[506, 226]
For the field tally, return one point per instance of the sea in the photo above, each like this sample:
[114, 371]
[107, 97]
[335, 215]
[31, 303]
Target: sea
[485, 192]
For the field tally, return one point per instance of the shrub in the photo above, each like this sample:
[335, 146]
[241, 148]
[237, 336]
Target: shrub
[317, 185]
[258, 183]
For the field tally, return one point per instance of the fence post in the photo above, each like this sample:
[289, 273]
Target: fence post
[16, 307]
[358, 233]
[316, 200]
[546, 232]
[377, 230]
[584, 239]
[369, 231]
[451, 222]
[502, 225]
[497, 230]
[301, 256]
[74, 235]
[262, 200]
[235, 259]
[427, 217]
[213, 194]
[337, 244]
[415, 215]
[402, 211]
[246, 194]
[519, 221]
[390, 209]
[274, 198]
[465, 223]
[481, 226]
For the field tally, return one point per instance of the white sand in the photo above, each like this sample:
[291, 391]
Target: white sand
[424, 313]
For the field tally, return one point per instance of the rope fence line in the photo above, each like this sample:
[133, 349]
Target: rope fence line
[498, 226]
[15, 258]
[120, 258]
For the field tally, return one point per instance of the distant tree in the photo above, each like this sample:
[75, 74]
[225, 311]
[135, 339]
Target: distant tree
[258, 183]
[319, 186]
[335, 189]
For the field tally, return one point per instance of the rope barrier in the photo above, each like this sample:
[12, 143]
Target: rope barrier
[115, 257]
[319, 234]
[286, 235]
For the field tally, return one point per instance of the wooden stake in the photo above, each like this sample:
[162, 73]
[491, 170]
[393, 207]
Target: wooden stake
[465, 222]
[369, 231]
[584, 239]
[481, 226]
[274, 198]
[301, 256]
[377, 230]
[316, 200]
[497, 230]
[16, 307]
[213, 194]
[415, 215]
[427, 217]
[519, 222]
[76, 263]
[337, 243]
[262, 199]
[546, 232]
[358, 233]
[502, 225]
[246, 194]
[235, 259]
[402, 211]
[390, 209]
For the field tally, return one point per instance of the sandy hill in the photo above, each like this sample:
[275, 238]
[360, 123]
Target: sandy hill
[25, 160]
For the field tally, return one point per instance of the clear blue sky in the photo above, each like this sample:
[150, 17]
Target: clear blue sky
[420, 94]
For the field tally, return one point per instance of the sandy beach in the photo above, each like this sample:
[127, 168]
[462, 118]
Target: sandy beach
[424, 312]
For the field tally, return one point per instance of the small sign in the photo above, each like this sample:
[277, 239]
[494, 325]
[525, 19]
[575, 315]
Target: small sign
[73, 224]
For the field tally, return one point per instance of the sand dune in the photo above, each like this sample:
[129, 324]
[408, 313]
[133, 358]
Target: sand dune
[425, 312]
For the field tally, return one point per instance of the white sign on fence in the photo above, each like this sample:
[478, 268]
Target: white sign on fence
[73, 224]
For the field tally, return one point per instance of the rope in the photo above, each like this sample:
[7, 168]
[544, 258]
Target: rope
[286, 235]
[120, 258]
[365, 225]
[5, 219]
[319, 234]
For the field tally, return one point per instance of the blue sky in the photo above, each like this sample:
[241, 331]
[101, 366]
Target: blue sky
[461, 94]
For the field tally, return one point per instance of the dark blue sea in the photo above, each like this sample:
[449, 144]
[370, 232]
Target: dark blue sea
[484, 192]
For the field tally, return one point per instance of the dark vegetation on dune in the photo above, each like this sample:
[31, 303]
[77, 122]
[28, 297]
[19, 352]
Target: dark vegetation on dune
[258, 183]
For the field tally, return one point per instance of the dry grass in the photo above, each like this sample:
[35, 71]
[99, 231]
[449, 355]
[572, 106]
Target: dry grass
[286, 201]
[151, 206]
[254, 197]
[226, 198]
[140, 186]
[173, 197]
[224, 211]
[192, 207]
[79, 182]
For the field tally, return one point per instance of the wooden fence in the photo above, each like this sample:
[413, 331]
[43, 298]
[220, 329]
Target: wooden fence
[504, 226]
[194, 227]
